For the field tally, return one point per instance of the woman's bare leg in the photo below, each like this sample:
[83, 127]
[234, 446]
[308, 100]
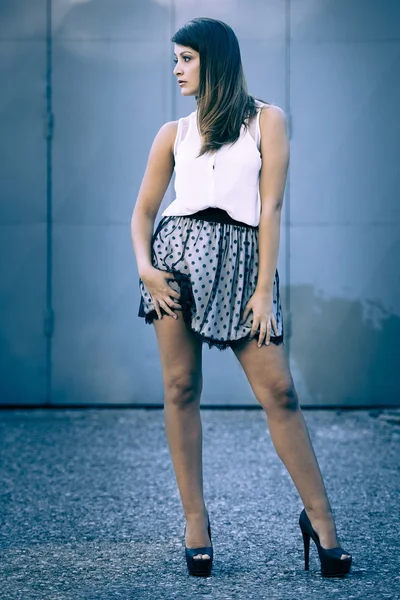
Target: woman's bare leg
[268, 372]
[181, 360]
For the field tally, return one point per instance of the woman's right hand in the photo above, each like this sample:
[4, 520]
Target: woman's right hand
[161, 292]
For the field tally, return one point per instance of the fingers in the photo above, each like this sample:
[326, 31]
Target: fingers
[255, 326]
[265, 327]
[264, 330]
[167, 309]
[169, 305]
[168, 275]
[275, 326]
[171, 292]
[157, 309]
[245, 314]
[172, 304]
[167, 298]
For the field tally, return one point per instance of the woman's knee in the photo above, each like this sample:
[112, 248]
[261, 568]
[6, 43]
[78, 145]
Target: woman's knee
[182, 388]
[280, 393]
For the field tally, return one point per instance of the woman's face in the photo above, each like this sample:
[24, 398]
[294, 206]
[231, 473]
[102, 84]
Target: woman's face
[187, 69]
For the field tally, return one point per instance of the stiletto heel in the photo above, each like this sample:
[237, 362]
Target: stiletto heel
[200, 567]
[332, 565]
[306, 541]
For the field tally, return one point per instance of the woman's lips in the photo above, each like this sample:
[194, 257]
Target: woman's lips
[182, 82]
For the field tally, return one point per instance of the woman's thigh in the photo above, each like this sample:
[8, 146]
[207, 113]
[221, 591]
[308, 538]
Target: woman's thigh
[180, 355]
[267, 370]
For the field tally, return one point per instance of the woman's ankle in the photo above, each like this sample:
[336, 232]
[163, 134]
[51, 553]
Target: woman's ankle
[198, 515]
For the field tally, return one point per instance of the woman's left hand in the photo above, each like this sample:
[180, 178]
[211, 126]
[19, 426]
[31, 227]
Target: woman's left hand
[261, 303]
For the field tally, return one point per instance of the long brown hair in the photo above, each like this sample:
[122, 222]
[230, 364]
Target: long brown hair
[223, 101]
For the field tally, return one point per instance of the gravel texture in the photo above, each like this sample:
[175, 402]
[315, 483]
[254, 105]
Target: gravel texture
[90, 508]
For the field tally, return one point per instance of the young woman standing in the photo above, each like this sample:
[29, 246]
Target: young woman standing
[209, 275]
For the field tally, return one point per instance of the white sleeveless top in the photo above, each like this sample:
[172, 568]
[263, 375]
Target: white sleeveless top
[227, 179]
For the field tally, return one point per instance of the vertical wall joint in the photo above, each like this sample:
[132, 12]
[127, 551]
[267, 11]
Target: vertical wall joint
[48, 327]
[49, 126]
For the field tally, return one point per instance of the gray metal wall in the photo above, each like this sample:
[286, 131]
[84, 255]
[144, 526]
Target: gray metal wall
[102, 74]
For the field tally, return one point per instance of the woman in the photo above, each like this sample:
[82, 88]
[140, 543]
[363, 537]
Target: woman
[208, 275]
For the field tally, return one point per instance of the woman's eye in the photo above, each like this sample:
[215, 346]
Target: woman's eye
[176, 60]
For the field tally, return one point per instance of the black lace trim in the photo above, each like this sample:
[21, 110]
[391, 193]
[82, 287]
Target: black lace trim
[211, 342]
[188, 308]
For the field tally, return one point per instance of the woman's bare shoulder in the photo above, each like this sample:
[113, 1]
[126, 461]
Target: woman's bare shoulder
[272, 112]
[168, 133]
[272, 119]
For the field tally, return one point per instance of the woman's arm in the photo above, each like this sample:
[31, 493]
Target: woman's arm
[275, 162]
[160, 166]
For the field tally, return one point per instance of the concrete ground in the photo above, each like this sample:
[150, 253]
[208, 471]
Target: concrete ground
[90, 508]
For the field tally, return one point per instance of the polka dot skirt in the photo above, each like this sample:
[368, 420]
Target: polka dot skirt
[215, 263]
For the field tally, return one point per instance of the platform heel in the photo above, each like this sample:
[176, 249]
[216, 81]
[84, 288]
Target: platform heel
[331, 563]
[200, 567]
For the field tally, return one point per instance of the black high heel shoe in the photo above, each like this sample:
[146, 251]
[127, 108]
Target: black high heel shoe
[200, 566]
[331, 563]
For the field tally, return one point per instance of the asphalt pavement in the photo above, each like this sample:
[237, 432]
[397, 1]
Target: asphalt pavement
[90, 509]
